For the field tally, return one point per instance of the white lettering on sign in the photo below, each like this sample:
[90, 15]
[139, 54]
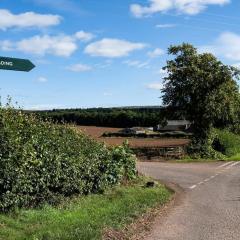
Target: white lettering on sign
[4, 63]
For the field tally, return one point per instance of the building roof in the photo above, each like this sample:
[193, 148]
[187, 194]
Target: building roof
[174, 125]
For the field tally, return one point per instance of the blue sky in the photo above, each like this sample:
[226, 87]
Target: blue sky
[91, 53]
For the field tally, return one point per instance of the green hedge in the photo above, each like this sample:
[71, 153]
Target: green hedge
[41, 162]
[227, 142]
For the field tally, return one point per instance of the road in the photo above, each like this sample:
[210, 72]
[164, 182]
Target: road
[209, 208]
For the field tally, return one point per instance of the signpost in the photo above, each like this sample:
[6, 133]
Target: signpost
[16, 64]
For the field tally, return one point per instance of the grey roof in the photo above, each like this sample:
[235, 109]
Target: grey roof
[173, 125]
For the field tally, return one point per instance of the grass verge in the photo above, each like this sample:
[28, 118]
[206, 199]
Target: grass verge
[84, 217]
[192, 160]
[234, 158]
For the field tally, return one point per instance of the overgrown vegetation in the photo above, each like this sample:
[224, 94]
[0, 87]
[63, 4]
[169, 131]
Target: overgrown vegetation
[42, 163]
[84, 218]
[227, 143]
[222, 145]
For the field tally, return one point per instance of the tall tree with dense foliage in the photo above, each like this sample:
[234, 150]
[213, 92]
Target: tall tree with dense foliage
[202, 88]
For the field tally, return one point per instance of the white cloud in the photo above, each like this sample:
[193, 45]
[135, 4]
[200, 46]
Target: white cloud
[59, 45]
[84, 36]
[27, 19]
[112, 48]
[42, 79]
[66, 45]
[79, 68]
[156, 53]
[155, 86]
[137, 64]
[190, 7]
[227, 45]
[165, 25]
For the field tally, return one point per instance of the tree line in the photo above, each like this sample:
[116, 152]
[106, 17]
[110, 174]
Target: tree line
[112, 117]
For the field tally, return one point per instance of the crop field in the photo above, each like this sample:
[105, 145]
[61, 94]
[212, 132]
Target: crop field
[96, 132]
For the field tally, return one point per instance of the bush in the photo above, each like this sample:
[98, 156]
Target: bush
[221, 144]
[41, 162]
[205, 149]
[227, 142]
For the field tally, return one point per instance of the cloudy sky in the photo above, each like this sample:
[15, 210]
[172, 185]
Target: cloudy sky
[91, 53]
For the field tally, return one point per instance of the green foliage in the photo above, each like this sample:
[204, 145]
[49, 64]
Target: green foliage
[123, 164]
[203, 88]
[235, 157]
[41, 162]
[227, 142]
[84, 217]
[205, 149]
[112, 117]
[222, 144]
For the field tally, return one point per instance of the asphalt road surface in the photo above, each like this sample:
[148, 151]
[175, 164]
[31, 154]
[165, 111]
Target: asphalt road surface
[209, 208]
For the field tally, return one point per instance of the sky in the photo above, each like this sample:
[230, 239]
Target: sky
[108, 53]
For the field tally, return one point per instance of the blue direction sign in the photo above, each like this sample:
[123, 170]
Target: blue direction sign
[16, 64]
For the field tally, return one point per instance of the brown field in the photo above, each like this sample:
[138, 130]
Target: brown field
[96, 132]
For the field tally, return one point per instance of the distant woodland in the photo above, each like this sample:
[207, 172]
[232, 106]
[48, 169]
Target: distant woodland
[113, 117]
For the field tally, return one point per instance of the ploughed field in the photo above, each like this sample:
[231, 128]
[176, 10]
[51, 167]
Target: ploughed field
[96, 132]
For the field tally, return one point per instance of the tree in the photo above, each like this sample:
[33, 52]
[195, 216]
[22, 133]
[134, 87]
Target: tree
[202, 88]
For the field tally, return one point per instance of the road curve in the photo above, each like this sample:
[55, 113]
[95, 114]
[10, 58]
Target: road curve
[210, 209]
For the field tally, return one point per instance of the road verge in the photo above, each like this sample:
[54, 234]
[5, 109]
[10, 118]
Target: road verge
[144, 223]
[86, 217]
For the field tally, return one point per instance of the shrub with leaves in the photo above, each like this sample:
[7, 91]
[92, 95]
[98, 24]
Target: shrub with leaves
[123, 164]
[205, 148]
[227, 142]
[41, 162]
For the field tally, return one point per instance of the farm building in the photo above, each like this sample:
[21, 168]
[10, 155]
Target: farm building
[174, 125]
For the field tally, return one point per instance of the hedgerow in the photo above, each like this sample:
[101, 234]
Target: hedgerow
[227, 142]
[221, 144]
[42, 163]
[205, 148]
